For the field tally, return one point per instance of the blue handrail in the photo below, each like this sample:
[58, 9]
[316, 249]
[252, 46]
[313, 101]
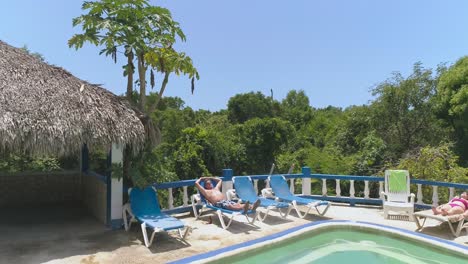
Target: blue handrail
[227, 177]
[176, 184]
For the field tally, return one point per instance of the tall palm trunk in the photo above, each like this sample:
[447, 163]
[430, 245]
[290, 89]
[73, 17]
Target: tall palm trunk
[142, 76]
[130, 76]
[128, 149]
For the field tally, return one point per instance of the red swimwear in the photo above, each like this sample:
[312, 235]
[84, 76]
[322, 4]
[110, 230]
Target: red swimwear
[465, 202]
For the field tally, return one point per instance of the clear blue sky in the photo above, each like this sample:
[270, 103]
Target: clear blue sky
[333, 50]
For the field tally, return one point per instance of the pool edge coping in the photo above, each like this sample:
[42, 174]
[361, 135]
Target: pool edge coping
[276, 237]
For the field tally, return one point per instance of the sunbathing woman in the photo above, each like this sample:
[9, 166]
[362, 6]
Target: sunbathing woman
[458, 205]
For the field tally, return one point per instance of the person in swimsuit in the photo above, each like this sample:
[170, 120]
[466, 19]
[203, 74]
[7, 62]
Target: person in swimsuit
[458, 205]
[217, 198]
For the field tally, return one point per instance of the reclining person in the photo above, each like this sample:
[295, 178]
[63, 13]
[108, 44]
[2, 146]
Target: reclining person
[458, 205]
[218, 199]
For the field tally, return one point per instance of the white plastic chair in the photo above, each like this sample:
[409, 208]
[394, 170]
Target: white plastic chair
[397, 196]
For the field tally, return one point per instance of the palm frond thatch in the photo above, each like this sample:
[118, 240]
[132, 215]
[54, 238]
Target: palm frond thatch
[44, 109]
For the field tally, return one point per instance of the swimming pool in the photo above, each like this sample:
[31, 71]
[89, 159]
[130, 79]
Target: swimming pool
[339, 242]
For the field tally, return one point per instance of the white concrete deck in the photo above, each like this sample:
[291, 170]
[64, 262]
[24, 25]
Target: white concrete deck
[81, 239]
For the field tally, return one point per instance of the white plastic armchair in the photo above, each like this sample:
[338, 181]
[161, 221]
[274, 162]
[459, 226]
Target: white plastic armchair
[397, 196]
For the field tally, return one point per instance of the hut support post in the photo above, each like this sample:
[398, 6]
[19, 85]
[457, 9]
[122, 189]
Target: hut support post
[115, 189]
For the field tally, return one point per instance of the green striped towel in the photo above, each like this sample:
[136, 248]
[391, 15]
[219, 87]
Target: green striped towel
[397, 181]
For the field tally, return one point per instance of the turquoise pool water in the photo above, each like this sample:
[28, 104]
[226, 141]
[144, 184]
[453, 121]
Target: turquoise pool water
[345, 245]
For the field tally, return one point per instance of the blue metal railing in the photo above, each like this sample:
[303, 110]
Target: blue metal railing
[351, 199]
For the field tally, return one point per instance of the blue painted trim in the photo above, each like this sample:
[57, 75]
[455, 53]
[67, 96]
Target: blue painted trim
[116, 224]
[177, 184]
[355, 200]
[422, 206]
[109, 188]
[443, 184]
[167, 185]
[227, 174]
[306, 172]
[347, 177]
[294, 229]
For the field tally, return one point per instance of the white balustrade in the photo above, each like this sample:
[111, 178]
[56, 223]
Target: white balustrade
[451, 193]
[381, 196]
[419, 194]
[366, 189]
[306, 186]
[324, 187]
[170, 200]
[338, 188]
[435, 196]
[351, 189]
[185, 197]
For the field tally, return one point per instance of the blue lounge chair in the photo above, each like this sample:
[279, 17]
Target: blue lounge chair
[246, 192]
[198, 199]
[144, 208]
[281, 190]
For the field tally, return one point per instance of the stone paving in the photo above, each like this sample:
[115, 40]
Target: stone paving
[69, 235]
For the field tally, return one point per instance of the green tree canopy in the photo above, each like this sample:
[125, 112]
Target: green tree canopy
[243, 107]
[402, 113]
[295, 108]
[452, 103]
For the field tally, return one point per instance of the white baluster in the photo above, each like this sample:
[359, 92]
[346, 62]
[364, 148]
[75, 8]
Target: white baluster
[185, 197]
[338, 188]
[435, 196]
[366, 189]
[256, 186]
[324, 187]
[381, 196]
[451, 193]
[419, 194]
[291, 186]
[351, 189]
[306, 186]
[170, 201]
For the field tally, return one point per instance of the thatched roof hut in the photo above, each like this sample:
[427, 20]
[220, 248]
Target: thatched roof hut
[44, 109]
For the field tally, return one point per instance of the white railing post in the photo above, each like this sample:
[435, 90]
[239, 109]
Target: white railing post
[381, 196]
[185, 197]
[306, 186]
[419, 194]
[324, 187]
[291, 186]
[366, 189]
[435, 196]
[338, 188]
[227, 180]
[306, 181]
[267, 183]
[451, 193]
[256, 186]
[170, 200]
[351, 189]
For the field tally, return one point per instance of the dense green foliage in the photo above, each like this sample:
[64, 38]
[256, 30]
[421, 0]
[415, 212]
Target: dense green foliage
[416, 123]
[403, 127]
